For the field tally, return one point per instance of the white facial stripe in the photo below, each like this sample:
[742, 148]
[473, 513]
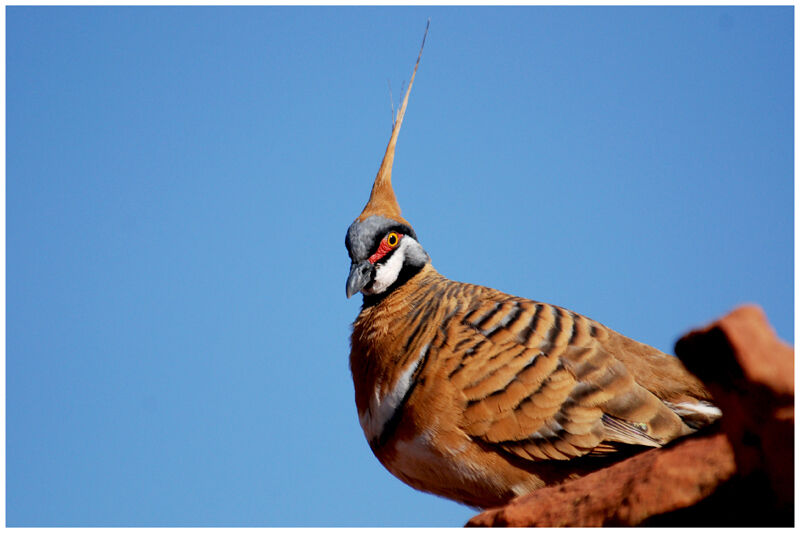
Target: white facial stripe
[381, 409]
[387, 273]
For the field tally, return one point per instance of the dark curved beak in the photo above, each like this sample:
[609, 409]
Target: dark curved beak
[360, 276]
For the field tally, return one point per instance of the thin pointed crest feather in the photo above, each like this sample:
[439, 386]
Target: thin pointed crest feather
[382, 200]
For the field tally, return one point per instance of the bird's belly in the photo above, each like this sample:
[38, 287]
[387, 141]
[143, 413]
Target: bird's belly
[420, 458]
[451, 469]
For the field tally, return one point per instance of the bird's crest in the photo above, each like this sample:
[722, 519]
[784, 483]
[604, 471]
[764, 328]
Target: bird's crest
[382, 200]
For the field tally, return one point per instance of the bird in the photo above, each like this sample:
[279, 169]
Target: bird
[479, 396]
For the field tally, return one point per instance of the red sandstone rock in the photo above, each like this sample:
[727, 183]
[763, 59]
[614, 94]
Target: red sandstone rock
[750, 373]
[740, 472]
[627, 493]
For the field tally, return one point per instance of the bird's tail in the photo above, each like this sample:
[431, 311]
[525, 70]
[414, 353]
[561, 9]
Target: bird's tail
[696, 414]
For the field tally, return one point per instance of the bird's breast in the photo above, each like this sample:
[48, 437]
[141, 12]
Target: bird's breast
[388, 393]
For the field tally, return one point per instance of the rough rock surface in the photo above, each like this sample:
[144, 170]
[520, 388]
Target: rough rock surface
[740, 472]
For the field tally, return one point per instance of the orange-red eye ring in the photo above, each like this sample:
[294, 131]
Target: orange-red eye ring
[388, 244]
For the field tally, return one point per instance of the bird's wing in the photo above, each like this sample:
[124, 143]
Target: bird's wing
[538, 382]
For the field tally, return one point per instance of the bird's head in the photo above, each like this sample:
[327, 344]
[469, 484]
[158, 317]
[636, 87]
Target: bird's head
[384, 253]
[383, 246]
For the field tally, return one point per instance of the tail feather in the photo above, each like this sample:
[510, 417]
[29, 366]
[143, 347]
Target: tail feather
[696, 414]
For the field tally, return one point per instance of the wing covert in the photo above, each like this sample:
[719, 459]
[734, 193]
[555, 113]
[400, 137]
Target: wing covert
[538, 383]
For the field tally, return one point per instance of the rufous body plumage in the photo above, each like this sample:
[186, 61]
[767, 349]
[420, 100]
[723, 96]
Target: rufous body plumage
[479, 396]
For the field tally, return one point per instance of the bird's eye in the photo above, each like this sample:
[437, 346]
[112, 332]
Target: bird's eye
[392, 239]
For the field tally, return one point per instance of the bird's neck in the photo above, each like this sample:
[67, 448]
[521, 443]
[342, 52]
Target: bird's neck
[399, 299]
[407, 278]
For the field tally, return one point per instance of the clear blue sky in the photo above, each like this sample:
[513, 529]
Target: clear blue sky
[179, 182]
